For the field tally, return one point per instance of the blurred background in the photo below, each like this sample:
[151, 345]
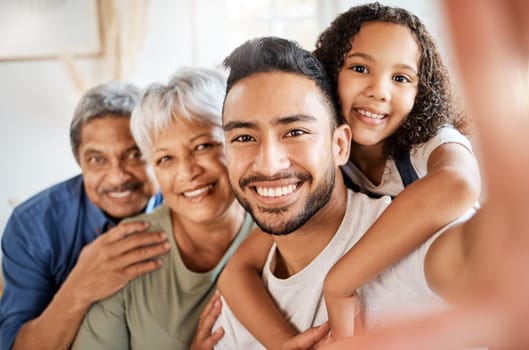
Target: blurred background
[51, 51]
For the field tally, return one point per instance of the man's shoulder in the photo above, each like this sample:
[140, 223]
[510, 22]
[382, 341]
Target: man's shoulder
[51, 203]
[361, 199]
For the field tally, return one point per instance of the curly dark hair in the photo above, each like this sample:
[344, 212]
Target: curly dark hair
[434, 104]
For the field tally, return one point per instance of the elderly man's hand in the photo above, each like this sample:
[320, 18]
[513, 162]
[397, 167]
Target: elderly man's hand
[113, 259]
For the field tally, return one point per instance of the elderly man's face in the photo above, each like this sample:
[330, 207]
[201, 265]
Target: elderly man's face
[114, 172]
[279, 148]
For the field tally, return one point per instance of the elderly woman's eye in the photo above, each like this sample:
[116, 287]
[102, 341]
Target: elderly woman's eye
[204, 146]
[163, 159]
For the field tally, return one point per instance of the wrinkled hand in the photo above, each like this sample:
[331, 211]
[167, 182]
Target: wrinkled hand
[114, 258]
[312, 338]
[204, 338]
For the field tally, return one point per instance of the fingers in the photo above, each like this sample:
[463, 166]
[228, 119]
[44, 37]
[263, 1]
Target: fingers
[308, 339]
[211, 311]
[204, 338]
[141, 268]
[140, 251]
[134, 240]
[209, 342]
[128, 245]
[209, 315]
[122, 230]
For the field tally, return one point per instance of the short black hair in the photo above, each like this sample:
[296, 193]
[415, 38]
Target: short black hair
[273, 54]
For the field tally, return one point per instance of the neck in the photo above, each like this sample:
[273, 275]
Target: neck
[202, 245]
[370, 161]
[299, 248]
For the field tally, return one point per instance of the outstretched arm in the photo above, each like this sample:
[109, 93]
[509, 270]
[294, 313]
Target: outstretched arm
[492, 48]
[241, 286]
[450, 188]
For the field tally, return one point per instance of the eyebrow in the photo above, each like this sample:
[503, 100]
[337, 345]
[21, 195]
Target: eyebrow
[295, 118]
[369, 58]
[199, 136]
[239, 125]
[277, 121]
[90, 151]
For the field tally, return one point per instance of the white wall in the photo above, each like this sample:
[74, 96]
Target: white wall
[37, 98]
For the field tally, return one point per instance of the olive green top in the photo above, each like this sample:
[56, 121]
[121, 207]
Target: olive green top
[159, 310]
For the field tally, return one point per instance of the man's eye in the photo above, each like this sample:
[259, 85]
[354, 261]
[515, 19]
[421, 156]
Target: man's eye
[95, 160]
[243, 138]
[295, 132]
[134, 154]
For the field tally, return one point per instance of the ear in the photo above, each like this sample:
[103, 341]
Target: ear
[341, 144]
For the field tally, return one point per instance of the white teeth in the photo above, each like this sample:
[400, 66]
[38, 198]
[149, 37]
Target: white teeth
[371, 115]
[276, 192]
[198, 192]
[119, 194]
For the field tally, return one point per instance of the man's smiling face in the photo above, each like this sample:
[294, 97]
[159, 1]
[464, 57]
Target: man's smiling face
[279, 148]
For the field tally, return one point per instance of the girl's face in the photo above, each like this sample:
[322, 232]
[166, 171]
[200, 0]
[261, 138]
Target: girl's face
[378, 82]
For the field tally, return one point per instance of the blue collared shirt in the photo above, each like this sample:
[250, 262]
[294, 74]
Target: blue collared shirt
[40, 245]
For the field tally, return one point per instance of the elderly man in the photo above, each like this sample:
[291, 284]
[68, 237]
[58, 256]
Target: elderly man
[56, 259]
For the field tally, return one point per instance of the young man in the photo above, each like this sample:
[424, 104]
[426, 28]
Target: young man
[56, 261]
[285, 144]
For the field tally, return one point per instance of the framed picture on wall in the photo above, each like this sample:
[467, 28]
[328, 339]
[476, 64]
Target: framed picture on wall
[47, 29]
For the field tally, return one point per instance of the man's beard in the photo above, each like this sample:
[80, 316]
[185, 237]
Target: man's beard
[317, 200]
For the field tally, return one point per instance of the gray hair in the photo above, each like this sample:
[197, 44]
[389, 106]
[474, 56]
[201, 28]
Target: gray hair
[192, 94]
[116, 98]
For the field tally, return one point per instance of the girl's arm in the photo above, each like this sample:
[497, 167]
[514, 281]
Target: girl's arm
[241, 286]
[450, 188]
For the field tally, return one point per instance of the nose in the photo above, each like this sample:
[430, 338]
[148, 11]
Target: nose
[379, 88]
[187, 169]
[117, 173]
[271, 159]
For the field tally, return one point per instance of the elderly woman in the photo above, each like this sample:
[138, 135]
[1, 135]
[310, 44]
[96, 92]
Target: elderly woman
[178, 129]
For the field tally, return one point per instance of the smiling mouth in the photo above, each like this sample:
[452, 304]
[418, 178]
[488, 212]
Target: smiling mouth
[198, 191]
[275, 191]
[119, 195]
[371, 115]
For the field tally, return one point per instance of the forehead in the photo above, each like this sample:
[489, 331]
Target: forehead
[183, 131]
[264, 97]
[106, 133]
[387, 41]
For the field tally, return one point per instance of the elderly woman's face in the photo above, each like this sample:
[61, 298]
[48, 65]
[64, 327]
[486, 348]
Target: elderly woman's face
[190, 166]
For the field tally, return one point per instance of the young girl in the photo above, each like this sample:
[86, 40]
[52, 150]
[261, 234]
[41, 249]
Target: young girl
[395, 95]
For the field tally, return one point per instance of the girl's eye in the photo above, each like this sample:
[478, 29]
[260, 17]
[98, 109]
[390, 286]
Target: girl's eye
[243, 138]
[295, 132]
[402, 79]
[359, 69]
